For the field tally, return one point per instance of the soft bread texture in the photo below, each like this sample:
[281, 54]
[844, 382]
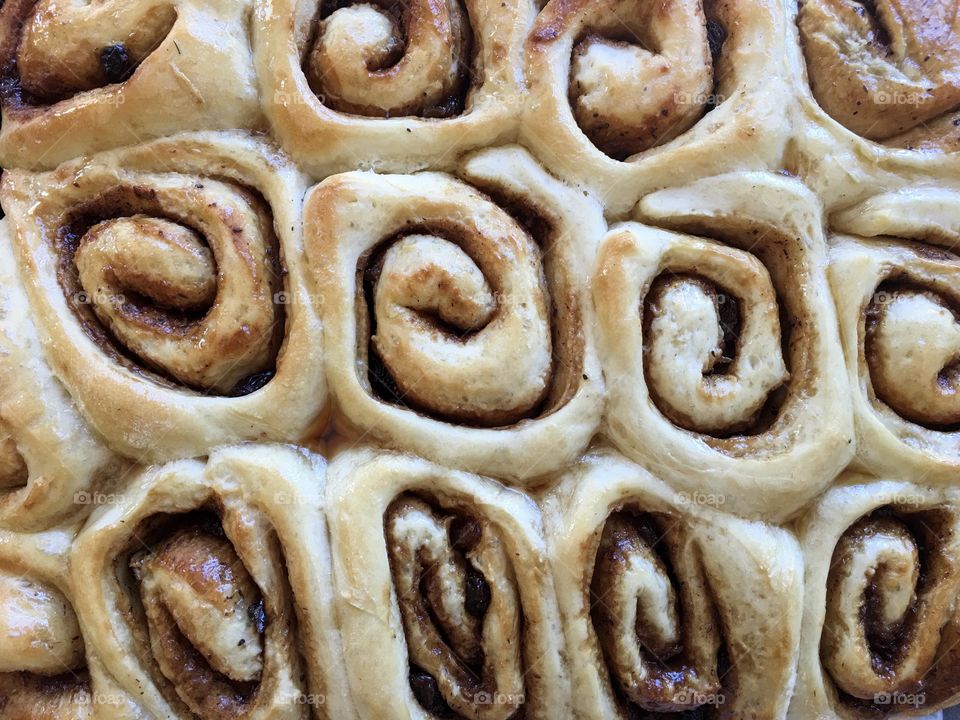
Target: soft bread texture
[628, 551]
[393, 517]
[198, 552]
[709, 75]
[394, 87]
[222, 341]
[896, 298]
[629, 330]
[48, 671]
[708, 386]
[52, 461]
[82, 77]
[481, 328]
[893, 545]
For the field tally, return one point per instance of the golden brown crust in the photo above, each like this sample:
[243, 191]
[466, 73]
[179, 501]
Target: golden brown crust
[443, 577]
[46, 670]
[53, 465]
[391, 86]
[627, 96]
[886, 71]
[669, 605]
[205, 588]
[84, 78]
[125, 326]
[458, 325]
[880, 625]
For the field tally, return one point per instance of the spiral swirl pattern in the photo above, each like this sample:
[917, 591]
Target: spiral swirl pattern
[196, 597]
[451, 573]
[171, 275]
[713, 355]
[469, 629]
[447, 318]
[458, 310]
[888, 71]
[724, 351]
[921, 387]
[641, 74]
[893, 645]
[195, 305]
[389, 59]
[205, 618]
[657, 636]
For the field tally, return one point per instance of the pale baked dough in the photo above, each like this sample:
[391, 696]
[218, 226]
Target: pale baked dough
[420, 550]
[390, 86]
[46, 670]
[880, 627]
[64, 64]
[206, 588]
[898, 303]
[52, 463]
[613, 117]
[482, 345]
[221, 213]
[706, 384]
[655, 586]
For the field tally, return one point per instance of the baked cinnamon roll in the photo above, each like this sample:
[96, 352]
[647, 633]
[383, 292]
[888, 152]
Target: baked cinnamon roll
[898, 317]
[168, 283]
[880, 629]
[51, 464]
[670, 607]
[887, 71]
[206, 588]
[443, 578]
[457, 323]
[46, 673]
[79, 78]
[388, 85]
[627, 96]
[719, 343]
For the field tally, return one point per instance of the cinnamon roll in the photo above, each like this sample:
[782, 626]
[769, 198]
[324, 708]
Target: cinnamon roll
[169, 287]
[898, 318]
[50, 462]
[78, 78]
[457, 323]
[627, 96]
[888, 71]
[393, 86]
[880, 627]
[206, 591]
[670, 607]
[720, 346]
[45, 673]
[443, 578]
